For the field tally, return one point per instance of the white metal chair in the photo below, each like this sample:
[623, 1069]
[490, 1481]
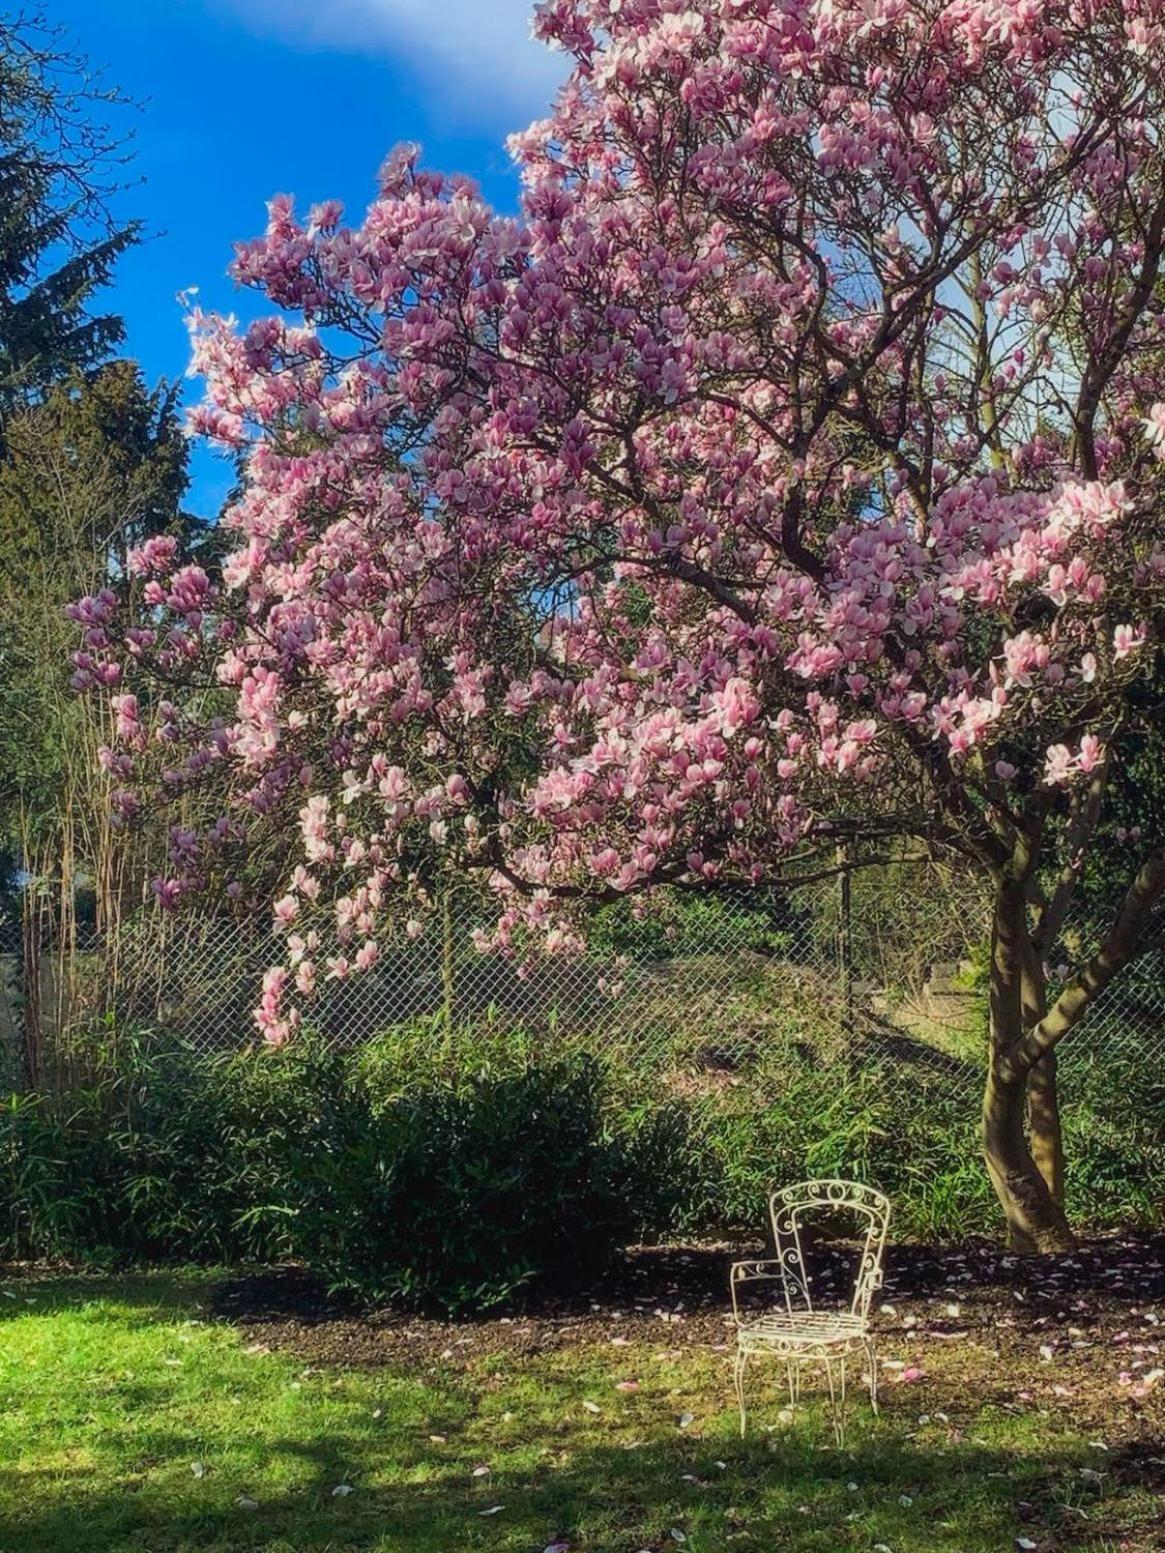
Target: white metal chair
[799, 1334]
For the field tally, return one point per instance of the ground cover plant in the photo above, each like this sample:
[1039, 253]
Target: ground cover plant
[174, 1412]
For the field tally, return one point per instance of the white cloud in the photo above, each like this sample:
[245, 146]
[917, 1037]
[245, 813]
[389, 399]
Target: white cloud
[478, 54]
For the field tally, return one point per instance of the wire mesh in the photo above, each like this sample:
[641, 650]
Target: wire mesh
[889, 972]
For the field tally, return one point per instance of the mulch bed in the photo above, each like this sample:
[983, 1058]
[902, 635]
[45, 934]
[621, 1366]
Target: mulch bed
[1080, 1334]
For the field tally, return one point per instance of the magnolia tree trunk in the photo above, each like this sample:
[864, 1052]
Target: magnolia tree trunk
[1027, 1166]
[1043, 1101]
[1044, 1129]
[1032, 1208]
[1027, 1174]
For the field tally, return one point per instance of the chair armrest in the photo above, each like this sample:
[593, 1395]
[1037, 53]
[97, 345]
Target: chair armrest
[752, 1271]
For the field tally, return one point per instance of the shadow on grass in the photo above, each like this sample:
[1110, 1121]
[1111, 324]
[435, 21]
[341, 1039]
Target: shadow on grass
[781, 1491]
[886, 1043]
[144, 1295]
[774, 1491]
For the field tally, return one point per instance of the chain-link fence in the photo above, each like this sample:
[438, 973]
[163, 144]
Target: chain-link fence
[886, 967]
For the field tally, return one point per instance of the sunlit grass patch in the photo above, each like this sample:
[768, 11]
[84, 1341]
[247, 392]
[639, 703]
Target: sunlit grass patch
[131, 1422]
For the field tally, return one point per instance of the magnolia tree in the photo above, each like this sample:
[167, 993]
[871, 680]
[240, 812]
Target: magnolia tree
[787, 470]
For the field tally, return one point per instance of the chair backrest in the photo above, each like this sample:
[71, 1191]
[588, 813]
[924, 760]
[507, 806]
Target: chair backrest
[792, 1206]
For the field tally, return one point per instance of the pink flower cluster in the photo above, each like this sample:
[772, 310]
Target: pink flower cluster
[794, 456]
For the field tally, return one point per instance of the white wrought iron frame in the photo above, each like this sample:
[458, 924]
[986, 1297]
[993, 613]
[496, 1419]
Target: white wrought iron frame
[801, 1335]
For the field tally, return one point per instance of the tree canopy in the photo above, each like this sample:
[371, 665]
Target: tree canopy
[60, 165]
[96, 467]
[789, 470]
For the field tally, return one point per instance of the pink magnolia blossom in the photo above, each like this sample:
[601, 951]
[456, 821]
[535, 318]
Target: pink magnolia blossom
[676, 526]
[1127, 639]
[1155, 428]
[1060, 765]
[156, 555]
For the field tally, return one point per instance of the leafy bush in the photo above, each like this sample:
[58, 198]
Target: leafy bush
[821, 1122]
[460, 1173]
[456, 1191]
[462, 1190]
[672, 926]
[1114, 1131]
[162, 1156]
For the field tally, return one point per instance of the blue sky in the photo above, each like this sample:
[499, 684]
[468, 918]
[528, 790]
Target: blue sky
[247, 98]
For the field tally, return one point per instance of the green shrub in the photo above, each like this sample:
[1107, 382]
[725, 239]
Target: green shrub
[32, 1206]
[669, 1182]
[459, 1173]
[395, 1175]
[462, 1191]
[750, 1141]
[162, 1156]
[1114, 1135]
[673, 926]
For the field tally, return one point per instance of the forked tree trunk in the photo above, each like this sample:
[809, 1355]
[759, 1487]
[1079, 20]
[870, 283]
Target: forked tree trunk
[1027, 1176]
[1035, 1218]
[1044, 1128]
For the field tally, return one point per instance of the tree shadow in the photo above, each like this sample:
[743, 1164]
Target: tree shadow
[1120, 1269]
[769, 1491]
[880, 1040]
[1123, 1268]
[913, 1491]
[143, 1295]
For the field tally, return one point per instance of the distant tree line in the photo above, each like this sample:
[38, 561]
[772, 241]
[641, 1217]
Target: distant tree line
[92, 457]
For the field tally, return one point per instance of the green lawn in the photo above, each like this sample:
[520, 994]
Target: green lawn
[131, 1421]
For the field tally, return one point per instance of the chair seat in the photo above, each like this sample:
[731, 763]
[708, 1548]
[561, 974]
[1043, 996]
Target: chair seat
[806, 1332]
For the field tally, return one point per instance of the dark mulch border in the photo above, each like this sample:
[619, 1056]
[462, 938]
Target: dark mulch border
[1080, 1305]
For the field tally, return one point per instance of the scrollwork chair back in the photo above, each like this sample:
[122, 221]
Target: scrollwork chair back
[793, 1207]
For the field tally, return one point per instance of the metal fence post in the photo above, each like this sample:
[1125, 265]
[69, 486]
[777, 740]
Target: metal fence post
[448, 986]
[845, 945]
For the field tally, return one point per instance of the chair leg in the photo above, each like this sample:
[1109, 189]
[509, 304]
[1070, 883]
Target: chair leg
[837, 1399]
[738, 1376]
[793, 1371]
[872, 1360]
